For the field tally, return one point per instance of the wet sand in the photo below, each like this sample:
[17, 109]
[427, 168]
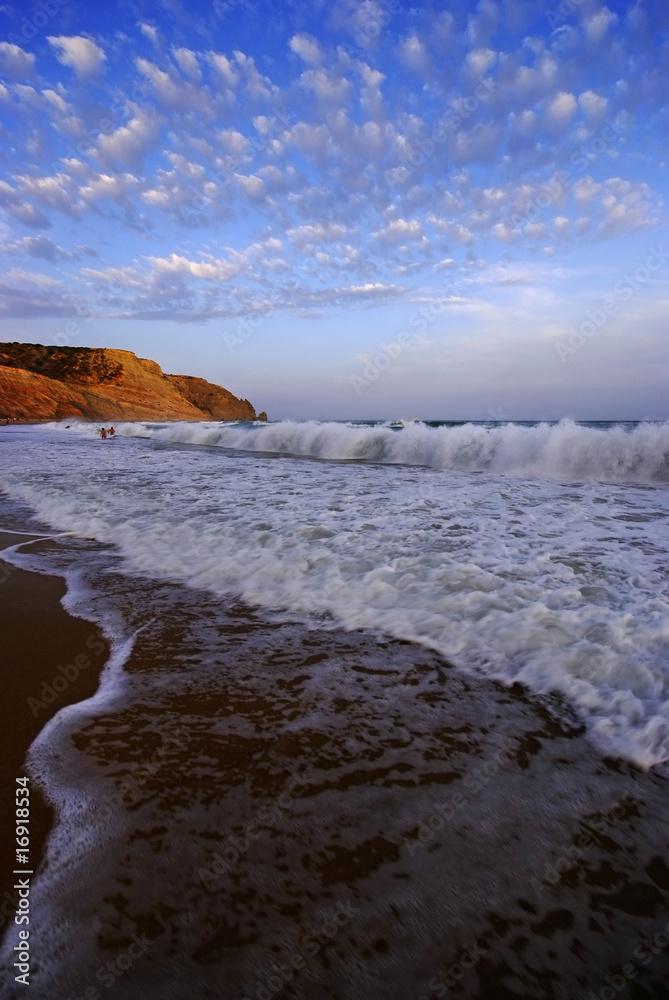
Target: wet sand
[38, 637]
[281, 811]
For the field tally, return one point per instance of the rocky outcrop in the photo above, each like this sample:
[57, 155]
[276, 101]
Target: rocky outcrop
[52, 383]
[213, 399]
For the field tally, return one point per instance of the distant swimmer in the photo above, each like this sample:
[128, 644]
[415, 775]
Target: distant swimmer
[103, 433]
[111, 432]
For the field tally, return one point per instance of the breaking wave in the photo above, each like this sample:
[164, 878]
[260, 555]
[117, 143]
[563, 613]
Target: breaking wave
[636, 453]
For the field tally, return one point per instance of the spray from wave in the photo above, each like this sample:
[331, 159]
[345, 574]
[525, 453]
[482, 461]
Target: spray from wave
[637, 453]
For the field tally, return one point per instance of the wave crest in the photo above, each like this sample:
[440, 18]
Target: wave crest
[567, 450]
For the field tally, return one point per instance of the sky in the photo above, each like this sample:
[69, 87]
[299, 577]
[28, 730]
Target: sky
[347, 208]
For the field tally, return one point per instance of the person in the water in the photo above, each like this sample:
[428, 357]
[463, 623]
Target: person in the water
[103, 433]
[111, 432]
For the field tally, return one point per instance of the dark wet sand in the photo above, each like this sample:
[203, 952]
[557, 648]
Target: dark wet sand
[38, 636]
[548, 868]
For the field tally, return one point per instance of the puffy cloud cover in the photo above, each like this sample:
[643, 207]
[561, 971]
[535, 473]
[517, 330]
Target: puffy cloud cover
[272, 196]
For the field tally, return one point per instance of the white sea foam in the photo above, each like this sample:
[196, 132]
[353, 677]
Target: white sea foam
[559, 584]
[637, 453]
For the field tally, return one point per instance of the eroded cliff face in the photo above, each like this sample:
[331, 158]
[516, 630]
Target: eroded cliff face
[212, 399]
[52, 383]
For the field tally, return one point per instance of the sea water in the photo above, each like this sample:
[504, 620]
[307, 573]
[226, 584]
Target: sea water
[536, 553]
[311, 708]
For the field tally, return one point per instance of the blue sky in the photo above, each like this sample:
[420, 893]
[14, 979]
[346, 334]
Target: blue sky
[343, 208]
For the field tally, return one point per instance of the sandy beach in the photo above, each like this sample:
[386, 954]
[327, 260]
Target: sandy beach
[38, 638]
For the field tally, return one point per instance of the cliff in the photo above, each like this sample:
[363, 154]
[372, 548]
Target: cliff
[53, 383]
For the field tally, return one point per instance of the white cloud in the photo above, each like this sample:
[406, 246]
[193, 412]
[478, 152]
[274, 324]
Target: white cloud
[51, 192]
[55, 100]
[26, 302]
[535, 230]
[79, 53]
[15, 63]
[504, 232]
[536, 82]
[325, 232]
[39, 246]
[114, 186]
[453, 230]
[585, 189]
[252, 186]
[328, 85]
[128, 144]
[398, 231]
[626, 207]
[593, 104]
[224, 67]
[414, 55]
[17, 274]
[193, 171]
[370, 291]
[482, 24]
[561, 223]
[214, 270]
[477, 145]
[149, 32]
[314, 140]
[257, 85]
[480, 61]
[123, 277]
[307, 48]
[561, 109]
[172, 92]
[188, 63]
[233, 142]
[598, 24]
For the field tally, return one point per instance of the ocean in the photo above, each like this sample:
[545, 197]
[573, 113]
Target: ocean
[386, 715]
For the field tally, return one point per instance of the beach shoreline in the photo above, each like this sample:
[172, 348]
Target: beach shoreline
[267, 786]
[244, 776]
[41, 644]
